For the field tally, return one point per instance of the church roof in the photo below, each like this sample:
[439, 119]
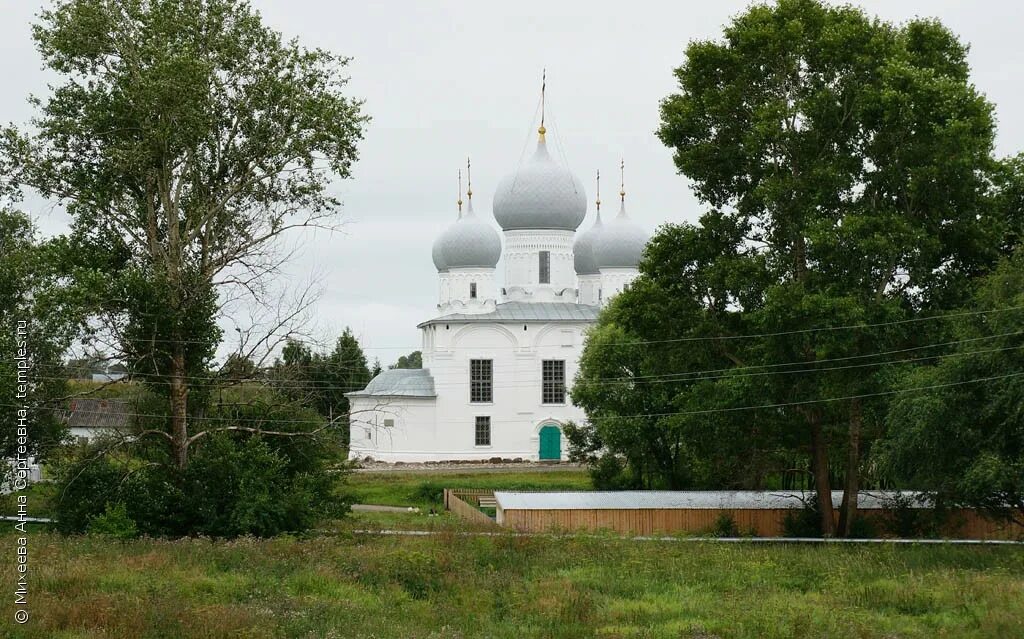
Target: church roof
[399, 382]
[524, 312]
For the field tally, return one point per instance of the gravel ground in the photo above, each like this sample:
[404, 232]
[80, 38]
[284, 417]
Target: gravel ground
[465, 467]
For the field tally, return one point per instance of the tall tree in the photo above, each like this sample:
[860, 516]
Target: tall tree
[33, 335]
[854, 155]
[184, 139]
[321, 380]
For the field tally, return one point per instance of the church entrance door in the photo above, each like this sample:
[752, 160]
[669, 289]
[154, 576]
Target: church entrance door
[550, 442]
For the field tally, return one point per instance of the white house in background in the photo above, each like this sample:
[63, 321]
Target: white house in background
[497, 362]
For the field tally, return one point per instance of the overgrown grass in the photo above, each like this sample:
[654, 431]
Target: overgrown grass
[514, 587]
[424, 490]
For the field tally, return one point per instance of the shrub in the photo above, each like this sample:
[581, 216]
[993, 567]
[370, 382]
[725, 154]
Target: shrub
[725, 526]
[803, 522]
[430, 492]
[609, 472]
[233, 485]
[114, 523]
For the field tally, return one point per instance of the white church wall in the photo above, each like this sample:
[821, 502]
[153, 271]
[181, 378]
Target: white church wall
[615, 280]
[456, 291]
[393, 428]
[589, 289]
[522, 265]
[517, 411]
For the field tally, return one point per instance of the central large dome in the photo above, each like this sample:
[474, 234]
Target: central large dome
[540, 195]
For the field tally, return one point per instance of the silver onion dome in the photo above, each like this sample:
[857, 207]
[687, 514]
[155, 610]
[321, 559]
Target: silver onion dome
[620, 244]
[540, 195]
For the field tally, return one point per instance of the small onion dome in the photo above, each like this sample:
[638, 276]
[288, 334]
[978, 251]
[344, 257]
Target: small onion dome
[540, 195]
[583, 249]
[620, 244]
[469, 243]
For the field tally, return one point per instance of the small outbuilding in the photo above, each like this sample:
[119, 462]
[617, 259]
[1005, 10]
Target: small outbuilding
[761, 513]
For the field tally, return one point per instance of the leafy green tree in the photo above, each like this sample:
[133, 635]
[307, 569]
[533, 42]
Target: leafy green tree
[184, 138]
[845, 160]
[320, 380]
[964, 438]
[412, 360]
[27, 281]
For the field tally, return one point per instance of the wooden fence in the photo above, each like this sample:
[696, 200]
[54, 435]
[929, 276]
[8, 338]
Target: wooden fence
[465, 502]
[964, 524]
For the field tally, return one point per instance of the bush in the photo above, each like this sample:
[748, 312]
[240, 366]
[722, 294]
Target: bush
[114, 523]
[725, 526]
[804, 522]
[609, 472]
[430, 492]
[905, 521]
[233, 485]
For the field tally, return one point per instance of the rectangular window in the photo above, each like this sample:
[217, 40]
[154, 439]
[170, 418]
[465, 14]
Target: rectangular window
[472, 290]
[545, 267]
[481, 380]
[553, 381]
[483, 431]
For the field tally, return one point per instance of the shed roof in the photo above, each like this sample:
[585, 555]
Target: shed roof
[525, 312]
[399, 382]
[97, 413]
[687, 500]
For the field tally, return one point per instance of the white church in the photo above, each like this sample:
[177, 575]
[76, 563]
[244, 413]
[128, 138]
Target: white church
[498, 361]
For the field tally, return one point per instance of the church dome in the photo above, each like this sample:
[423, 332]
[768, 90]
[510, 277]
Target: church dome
[620, 244]
[437, 253]
[469, 243]
[540, 195]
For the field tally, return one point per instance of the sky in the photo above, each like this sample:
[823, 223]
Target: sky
[447, 79]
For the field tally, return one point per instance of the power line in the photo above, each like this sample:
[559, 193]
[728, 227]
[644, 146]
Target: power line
[640, 415]
[728, 374]
[686, 376]
[707, 338]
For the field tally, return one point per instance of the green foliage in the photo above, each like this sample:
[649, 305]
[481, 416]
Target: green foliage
[114, 523]
[804, 522]
[725, 526]
[412, 360]
[964, 439]
[28, 282]
[320, 380]
[846, 165]
[235, 485]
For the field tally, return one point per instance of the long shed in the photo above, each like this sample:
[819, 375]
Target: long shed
[760, 512]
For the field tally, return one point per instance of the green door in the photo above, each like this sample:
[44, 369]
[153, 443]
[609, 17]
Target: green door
[550, 442]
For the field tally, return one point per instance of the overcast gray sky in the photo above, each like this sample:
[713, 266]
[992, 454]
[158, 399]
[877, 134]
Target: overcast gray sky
[451, 78]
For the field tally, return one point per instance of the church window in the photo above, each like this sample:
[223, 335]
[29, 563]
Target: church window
[472, 290]
[483, 430]
[545, 267]
[481, 380]
[553, 381]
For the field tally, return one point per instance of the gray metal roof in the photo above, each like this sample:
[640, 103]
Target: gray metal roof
[97, 413]
[684, 500]
[399, 382]
[525, 312]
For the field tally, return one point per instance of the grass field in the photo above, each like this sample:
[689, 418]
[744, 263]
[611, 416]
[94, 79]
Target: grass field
[423, 490]
[456, 586]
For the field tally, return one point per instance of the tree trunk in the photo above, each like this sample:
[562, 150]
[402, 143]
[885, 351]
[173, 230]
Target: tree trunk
[179, 407]
[822, 483]
[852, 486]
